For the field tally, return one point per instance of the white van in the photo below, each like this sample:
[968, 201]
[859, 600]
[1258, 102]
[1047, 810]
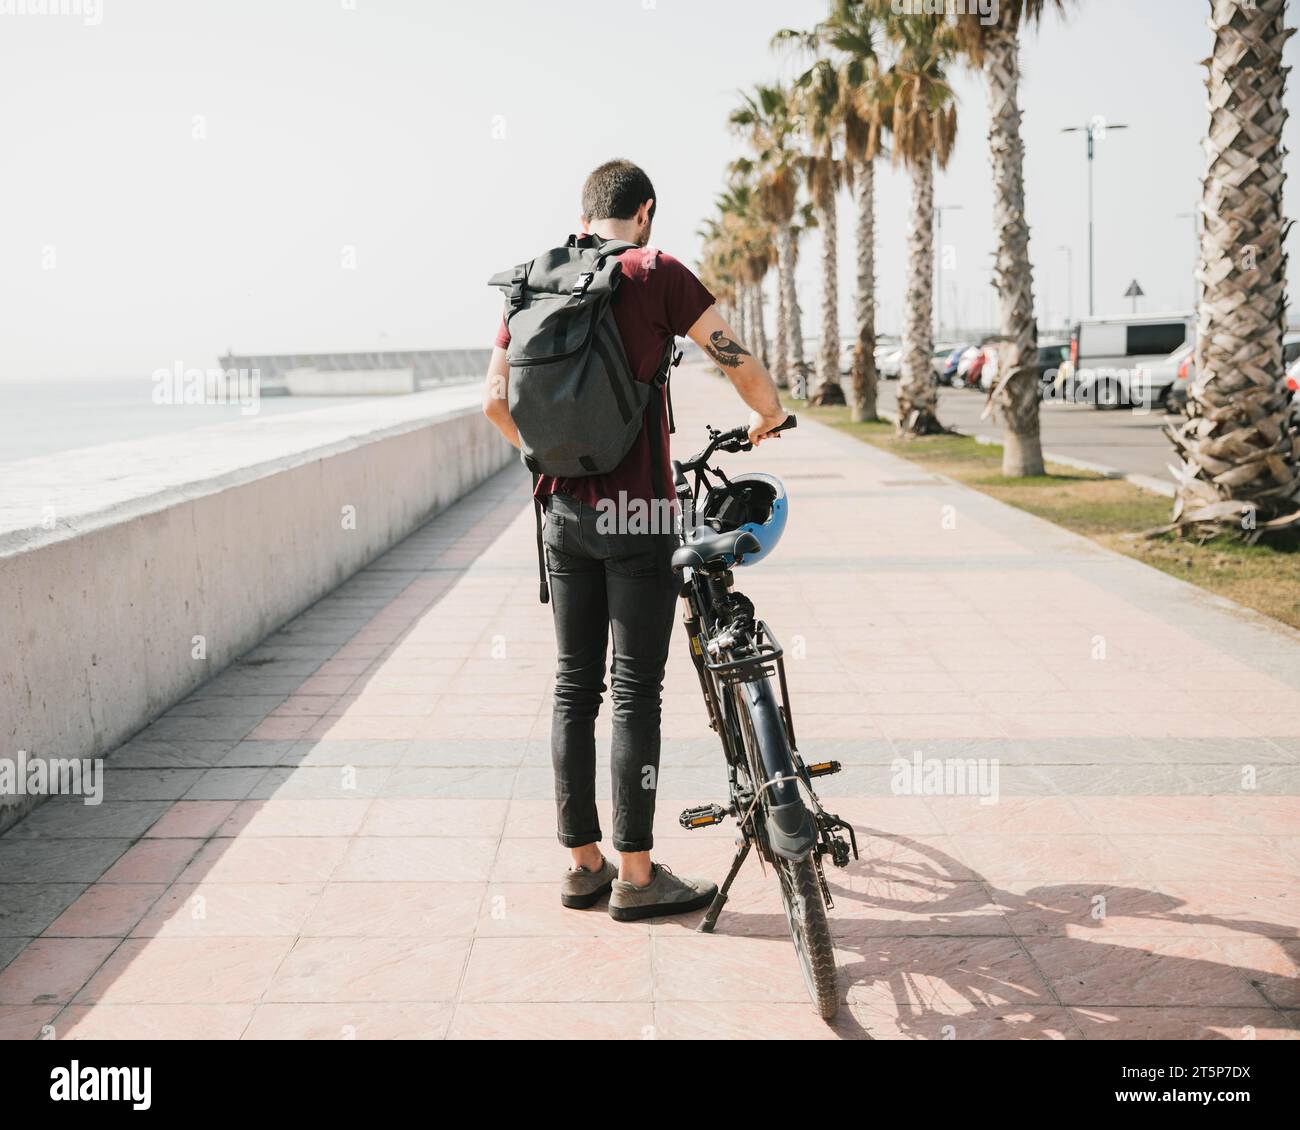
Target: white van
[1110, 357]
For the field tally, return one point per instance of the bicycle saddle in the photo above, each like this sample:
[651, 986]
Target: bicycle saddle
[707, 549]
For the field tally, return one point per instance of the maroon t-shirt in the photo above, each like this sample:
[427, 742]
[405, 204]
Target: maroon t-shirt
[659, 299]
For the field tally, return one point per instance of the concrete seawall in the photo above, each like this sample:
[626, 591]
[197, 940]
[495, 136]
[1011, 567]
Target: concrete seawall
[132, 573]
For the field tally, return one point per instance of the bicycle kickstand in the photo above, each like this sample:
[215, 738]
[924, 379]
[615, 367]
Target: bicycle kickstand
[720, 899]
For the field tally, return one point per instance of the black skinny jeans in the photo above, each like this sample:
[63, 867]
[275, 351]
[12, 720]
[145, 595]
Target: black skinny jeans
[602, 581]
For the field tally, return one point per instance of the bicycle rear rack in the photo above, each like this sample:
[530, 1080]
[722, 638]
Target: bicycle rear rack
[750, 668]
[768, 660]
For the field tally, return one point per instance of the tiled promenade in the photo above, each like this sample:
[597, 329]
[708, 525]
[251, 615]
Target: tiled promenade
[350, 833]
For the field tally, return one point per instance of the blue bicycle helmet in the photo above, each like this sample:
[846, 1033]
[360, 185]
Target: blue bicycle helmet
[755, 502]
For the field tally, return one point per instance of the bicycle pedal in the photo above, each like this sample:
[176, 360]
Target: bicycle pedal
[824, 768]
[831, 826]
[703, 816]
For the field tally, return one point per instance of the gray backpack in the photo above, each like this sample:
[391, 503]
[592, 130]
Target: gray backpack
[572, 393]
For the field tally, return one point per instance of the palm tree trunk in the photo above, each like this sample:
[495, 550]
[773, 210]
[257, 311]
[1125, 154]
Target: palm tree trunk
[1016, 394]
[781, 355]
[786, 254]
[916, 395]
[1240, 470]
[828, 349]
[863, 406]
[756, 321]
[742, 315]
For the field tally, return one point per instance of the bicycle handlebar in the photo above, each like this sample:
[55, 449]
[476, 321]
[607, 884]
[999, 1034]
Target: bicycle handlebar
[738, 438]
[733, 441]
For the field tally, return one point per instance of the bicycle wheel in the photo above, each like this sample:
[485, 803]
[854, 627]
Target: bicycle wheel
[801, 890]
[805, 911]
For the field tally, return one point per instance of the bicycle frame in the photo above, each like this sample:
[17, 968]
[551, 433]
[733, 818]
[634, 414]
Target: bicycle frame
[731, 647]
[770, 788]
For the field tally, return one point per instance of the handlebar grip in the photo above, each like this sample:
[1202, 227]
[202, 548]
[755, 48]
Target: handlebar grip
[737, 439]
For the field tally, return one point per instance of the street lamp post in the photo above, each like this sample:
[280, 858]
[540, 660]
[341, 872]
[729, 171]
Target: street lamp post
[1097, 127]
[938, 309]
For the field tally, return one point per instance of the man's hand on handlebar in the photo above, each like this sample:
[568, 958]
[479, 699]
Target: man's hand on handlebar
[762, 427]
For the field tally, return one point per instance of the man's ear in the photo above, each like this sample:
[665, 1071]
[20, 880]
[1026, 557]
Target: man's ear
[584, 224]
[645, 212]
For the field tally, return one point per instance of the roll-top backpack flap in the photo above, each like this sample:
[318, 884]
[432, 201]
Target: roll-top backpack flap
[572, 394]
[551, 327]
[585, 265]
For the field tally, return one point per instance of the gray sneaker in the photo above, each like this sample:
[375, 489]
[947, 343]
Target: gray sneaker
[581, 889]
[665, 894]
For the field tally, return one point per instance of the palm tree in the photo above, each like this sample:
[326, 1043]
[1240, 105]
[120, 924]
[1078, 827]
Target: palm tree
[764, 118]
[763, 256]
[751, 234]
[723, 254]
[924, 126]
[816, 106]
[993, 47]
[715, 269]
[1239, 453]
[741, 248]
[849, 36]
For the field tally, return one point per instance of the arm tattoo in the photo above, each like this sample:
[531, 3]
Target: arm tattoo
[724, 351]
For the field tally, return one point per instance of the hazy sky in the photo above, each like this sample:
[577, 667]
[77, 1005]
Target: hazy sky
[280, 175]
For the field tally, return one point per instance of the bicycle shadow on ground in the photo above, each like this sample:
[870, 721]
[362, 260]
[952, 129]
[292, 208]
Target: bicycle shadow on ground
[929, 949]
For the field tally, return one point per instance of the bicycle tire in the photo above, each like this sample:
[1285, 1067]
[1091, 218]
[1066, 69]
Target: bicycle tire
[801, 895]
[801, 889]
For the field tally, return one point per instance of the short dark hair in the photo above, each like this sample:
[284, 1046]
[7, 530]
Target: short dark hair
[616, 190]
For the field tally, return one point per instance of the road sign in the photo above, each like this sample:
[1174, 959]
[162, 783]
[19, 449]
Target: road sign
[1134, 292]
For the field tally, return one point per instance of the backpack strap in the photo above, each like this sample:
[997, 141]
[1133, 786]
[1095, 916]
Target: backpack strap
[661, 381]
[604, 246]
[544, 589]
[672, 358]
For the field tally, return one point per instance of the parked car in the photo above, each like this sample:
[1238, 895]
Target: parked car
[971, 357]
[1176, 401]
[884, 351]
[1291, 382]
[1290, 350]
[984, 369]
[889, 360]
[1052, 355]
[1153, 384]
[1105, 352]
[939, 356]
[951, 363]
[889, 363]
[991, 365]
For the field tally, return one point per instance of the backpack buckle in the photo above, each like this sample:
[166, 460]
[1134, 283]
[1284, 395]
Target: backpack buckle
[672, 358]
[584, 280]
[517, 283]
